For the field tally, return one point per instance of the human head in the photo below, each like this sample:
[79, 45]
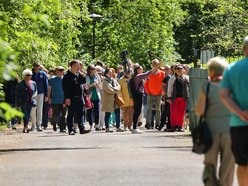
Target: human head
[27, 74]
[90, 70]
[36, 66]
[155, 63]
[99, 69]
[113, 72]
[59, 70]
[108, 73]
[74, 65]
[179, 69]
[245, 46]
[216, 66]
[137, 69]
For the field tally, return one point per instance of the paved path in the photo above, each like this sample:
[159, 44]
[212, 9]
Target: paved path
[98, 159]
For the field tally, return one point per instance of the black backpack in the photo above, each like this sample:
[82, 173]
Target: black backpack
[132, 89]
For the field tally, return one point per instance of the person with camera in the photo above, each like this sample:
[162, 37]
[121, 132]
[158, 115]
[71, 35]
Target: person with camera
[217, 119]
[138, 81]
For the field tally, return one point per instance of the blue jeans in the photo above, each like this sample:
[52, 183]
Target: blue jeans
[106, 119]
[26, 109]
[76, 108]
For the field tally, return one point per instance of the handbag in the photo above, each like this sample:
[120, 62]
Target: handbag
[118, 100]
[201, 135]
[88, 103]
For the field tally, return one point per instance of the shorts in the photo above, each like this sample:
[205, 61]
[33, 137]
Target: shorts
[239, 137]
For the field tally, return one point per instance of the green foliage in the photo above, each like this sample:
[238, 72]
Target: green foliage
[144, 28]
[219, 25]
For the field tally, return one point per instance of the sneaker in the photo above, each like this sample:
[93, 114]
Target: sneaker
[119, 130]
[140, 123]
[108, 130]
[71, 133]
[136, 131]
[39, 130]
[62, 131]
[13, 128]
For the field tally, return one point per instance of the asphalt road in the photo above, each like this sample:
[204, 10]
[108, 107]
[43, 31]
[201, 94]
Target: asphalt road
[98, 159]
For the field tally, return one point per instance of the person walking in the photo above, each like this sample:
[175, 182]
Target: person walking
[41, 80]
[56, 98]
[217, 118]
[234, 95]
[72, 86]
[9, 89]
[26, 92]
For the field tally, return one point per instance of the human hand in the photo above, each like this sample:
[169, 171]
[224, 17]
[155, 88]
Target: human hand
[244, 115]
[68, 101]
[169, 101]
[45, 98]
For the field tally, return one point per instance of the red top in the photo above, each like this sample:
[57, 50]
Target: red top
[153, 85]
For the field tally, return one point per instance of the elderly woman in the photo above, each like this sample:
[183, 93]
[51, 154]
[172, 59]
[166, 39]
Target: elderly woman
[26, 92]
[110, 88]
[217, 118]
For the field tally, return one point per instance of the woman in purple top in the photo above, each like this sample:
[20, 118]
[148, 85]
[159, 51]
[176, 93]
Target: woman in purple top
[138, 78]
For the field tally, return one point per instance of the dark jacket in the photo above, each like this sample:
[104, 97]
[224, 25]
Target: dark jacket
[22, 94]
[72, 85]
[9, 88]
[42, 82]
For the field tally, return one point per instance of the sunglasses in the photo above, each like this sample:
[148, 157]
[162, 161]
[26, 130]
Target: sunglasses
[28, 75]
[179, 68]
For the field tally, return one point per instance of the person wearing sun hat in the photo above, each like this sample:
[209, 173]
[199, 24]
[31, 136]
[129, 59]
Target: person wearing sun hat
[56, 98]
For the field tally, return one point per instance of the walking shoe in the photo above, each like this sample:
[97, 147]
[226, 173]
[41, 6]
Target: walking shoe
[13, 128]
[71, 133]
[136, 131]
[108, 130]
[84, 131]
[97, 129]
[62, 131]
[172, 129]
[147, 126]
[140, 123]
[119, 130]
[54, 128]
[180, 129]
[39, 130]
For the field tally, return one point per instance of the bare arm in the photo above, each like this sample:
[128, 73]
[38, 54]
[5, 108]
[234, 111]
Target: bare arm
[225, 96]
[200, 105]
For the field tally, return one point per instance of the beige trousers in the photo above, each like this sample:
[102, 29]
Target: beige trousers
[221, 147]
[127, 115]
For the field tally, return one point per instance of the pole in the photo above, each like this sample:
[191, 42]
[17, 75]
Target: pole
[93, 39]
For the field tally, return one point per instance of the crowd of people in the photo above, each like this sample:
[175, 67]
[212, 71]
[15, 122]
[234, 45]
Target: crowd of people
[62, 97]
[74, 96]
